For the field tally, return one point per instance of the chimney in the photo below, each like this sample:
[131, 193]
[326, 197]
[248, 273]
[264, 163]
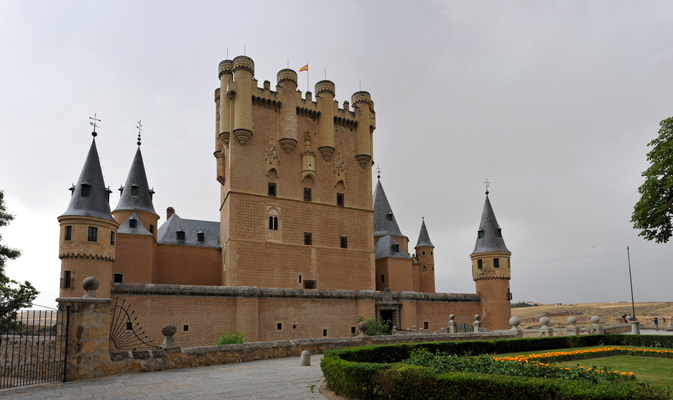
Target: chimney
[169, 211]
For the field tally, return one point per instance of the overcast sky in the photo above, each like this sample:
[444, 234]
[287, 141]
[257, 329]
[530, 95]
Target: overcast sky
[553, 101]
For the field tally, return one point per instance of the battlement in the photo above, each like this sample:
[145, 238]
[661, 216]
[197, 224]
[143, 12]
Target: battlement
[244, 63]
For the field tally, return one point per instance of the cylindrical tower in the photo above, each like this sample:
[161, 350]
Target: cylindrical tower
[225, 73]
[219, 144]
[244, 70]
[363, 106]
[426, 259]
[491, 271]
[325, 92]
[287, 81]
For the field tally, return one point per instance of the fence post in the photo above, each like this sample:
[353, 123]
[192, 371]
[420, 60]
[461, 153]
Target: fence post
[88, 333]
[596, 327]
[545, 329]
[452, 324]
[572, 329]
[477, 323]
[514, 322]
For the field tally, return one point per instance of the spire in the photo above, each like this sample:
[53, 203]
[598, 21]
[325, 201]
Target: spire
[384, 219]
[489, 237]
[136, 193]
[423, 237]
[90, 197]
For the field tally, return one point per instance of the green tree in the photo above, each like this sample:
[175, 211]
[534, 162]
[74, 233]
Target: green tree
[13, 295]
[653, 212]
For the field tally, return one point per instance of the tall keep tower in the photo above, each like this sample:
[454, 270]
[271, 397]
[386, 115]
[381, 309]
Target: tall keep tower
[491, 270]
[88, 230]
[295, 176]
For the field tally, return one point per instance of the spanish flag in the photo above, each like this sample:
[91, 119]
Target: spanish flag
[304, 68]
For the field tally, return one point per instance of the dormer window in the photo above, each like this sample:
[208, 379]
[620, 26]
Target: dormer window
[480, 234]
[180, 235]
[200, 236]
[85, 189]
[499, 232]
[134, 191]
[396, 248]
[390, 216]
[133, 223]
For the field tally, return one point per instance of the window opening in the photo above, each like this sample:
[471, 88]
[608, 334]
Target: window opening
[352, 330]
[112, 238]
[85, 190]
[151, 228]
[430, 252]
[307, 194]
[424, 268]
[390, 216]
[396, 248]
[68, 233]
[499, 232]
[309, 283]
[133, 223]
[200, 236]
[180, 235]
[496, 263]
[272, 189]
[300, 277]
[118, 278]
[134, 191]
[481, 234]
[273, 223]
[383, 278]
[426, 325]
[344, 242]
[324, 332]
[67, 280]
[479, 264]
[308, 238]
[185, 328]
[509, 265]
[423, 252]
[129, 325]
[340, 199]
[93, 234]
[279, 326]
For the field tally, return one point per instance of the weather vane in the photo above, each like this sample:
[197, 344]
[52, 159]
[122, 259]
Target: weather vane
[378, 170]
[93, 123]
[140, 128]
[487, 183]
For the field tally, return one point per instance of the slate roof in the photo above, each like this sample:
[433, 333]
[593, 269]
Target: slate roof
[423, 237]
[136, 177]
[489, 225]
[384, 219]
[125, 227]
[384, 248]
[167, 233]
[97, 204]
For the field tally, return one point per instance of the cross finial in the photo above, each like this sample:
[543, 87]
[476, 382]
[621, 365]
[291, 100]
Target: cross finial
[487, 183]
[140, 129]
[378, 170]
[93, 123]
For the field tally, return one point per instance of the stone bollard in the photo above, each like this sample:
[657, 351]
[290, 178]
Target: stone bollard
[595, 326]
[572, 329]
[477, 323]
[169, 345]
[363, 326]
[545, 330]
[413, 328]
[453, 325]
[394, 331]
[305, 358]
[634, 326]
[514, 323]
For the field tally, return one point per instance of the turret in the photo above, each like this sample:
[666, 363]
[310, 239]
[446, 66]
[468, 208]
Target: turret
[87, 231]
[287, 87]
[219, 144]
[426, 259]
[384, 219]
[325, 91]
[364, 114]
[244, 71]
[227, 90]
[491, 270]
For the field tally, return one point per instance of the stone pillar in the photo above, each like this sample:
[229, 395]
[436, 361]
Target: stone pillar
[572, 329]
[88, 333]
[325, 91]
[287, 84]
[634, 327]
[545, 330]
[453, 325]
[244, 70]
[477, 323]
[595, 326]
[305, 358]
[169, 345]
[362, 104]
[514, 323]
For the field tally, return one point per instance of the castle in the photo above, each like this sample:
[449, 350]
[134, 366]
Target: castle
[302, 247]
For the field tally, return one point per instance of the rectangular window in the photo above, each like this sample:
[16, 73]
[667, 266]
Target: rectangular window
[426, 325]
[307, 194]
[423, 252]
[481, 234]
[300, 277]
[112, 238]
[272, 189]
[308, 238]
[479, 264]
[496, 263]
[93, 234]
[499, 232]
[509, 264]
[344, 242]
[180, 235]
[383, 278]
[200, 236]
[279, 326]
[85, 190]
[134, 191]
[68, 233]
[67, 281]
[133, 223]
[185, 328]
[324, 332]
[118, 278]
[151, 228]
[340, 199]
[309, 283]
[352, 330]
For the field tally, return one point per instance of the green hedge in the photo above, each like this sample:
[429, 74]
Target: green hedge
[372, 372]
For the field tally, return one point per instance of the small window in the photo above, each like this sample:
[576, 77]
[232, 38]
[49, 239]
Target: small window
[352, 330]
[433, 267]
[68, 233]
[279, 326]
[307, 194]
[324, 332]
[300, 277]
[67, 281]
[509, 265]
[134, 191]
[390, 216]
[396, 248]
[479, 264]
[496, 263]
[185, 328]
[151, 228]
[200, 237]
[423, 252]
[426, 325]
[424, 268]
[430, 252]
[273, 223]
[180, 235]
[93, 234]
[344, 242]
[308, 238]
[272, 189]
[112, 238]
[85, 190]
[133, 223]
[129, 325]
[118, 278]
[310, 284]
[383, 278]
[481, 234]
[499, 232]
[340, 199]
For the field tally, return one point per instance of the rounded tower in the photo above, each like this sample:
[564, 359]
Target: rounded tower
[426, 259]
[491, 271]
[244, 71]
[88, 232]
[325, 92]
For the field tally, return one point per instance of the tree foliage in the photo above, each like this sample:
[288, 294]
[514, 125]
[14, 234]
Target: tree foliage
[5, 219]
[653, 213]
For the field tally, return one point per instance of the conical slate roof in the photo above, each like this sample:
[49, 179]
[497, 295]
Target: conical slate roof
[423, 237]
[384, 219]
[384, 247]
[125, 227]
[492, 238]
[96, 204]
[136, 178]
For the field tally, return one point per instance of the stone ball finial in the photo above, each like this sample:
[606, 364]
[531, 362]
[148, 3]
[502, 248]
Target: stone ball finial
[595, 319]
[544, 321]
[168, 330]
[90, 285]
[477, 317]
[363, 326]
[452, 317]
[572, 320]
[514, 321]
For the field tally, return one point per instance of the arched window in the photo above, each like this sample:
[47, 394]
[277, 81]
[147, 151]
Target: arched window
[271, 223]
[275, 223]
[424, 268]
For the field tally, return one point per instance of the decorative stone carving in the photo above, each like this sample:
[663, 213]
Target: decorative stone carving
[169, 345]
[387, 295]
[363, 326]
[272, 158]
[90, 284]
[326, 152]
[288, 144]
[308, 159]
[339, 170]
[477, 323]
[363, 159]
[243, 135]
[452, 324]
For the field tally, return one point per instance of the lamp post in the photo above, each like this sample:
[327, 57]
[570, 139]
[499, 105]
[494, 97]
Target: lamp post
[633, 304]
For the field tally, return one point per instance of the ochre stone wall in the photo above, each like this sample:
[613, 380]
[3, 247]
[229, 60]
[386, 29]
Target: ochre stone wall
[135, 257]
[188, 265]
[83, 267]
[398, 274]
[496, 308]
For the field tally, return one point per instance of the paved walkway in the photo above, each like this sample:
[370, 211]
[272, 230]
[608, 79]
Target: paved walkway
[283, 378]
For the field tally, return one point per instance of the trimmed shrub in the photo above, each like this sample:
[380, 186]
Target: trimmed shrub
[229, 338]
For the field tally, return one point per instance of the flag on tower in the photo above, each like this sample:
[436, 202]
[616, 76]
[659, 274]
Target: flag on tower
[304, 68]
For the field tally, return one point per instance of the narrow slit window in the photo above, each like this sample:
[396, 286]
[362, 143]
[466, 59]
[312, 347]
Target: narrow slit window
[496, 263]
[85, 190]
[272, 189]
[151, 228]
[344, 242]
[481, 234]
[340, 199]
[424, 268]
[499, 232]
[479, 264]
[300, 277]
[308, 196]
[93, 234]
[112, 238]
[68, 233]
[308, 238]
[383, 278]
